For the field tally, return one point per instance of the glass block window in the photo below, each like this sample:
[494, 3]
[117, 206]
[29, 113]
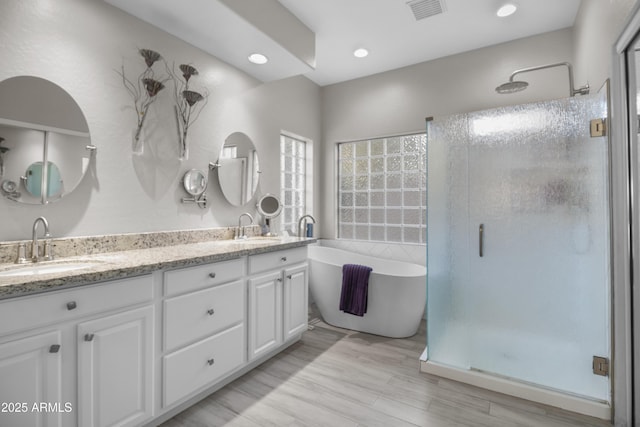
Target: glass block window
[382, 189]
[293, 181]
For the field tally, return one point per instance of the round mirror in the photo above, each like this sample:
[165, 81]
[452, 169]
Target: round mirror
[269, 206]
[195, 182]
[238, 169]
[43, 136]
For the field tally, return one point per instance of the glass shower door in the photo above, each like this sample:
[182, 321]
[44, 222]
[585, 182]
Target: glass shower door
[528, 238]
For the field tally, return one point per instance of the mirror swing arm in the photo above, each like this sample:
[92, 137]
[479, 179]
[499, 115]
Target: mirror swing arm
[201, 201]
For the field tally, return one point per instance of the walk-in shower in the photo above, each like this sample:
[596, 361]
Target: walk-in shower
[513, 86]
[518, 252]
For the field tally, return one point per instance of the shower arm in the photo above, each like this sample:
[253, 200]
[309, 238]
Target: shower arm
[584, 90]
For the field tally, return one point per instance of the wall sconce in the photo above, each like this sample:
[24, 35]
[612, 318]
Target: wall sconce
[143, 92]
[188, 104]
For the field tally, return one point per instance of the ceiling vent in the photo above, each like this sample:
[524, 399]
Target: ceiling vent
[425, 8]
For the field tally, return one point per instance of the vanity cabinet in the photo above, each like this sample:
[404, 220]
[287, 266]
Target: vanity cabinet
[278, 301]
[204, 334]
[48, 361]
[131, 352]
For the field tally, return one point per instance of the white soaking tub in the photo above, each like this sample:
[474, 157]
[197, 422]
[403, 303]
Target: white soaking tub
[396, 299]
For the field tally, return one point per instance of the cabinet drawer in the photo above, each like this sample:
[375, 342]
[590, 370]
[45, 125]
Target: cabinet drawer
[201, 364]
[203, 276]
[58, 306]
[199, 314]
[277, 259]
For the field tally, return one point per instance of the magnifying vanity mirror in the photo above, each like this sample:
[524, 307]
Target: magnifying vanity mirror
[195, 183]
[269, 207]
[238, 169]
[45, 146]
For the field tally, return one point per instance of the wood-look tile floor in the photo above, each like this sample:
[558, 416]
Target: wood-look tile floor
[335, 377]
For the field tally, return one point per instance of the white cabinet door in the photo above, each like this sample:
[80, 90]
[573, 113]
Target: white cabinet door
[265, 313]
[295, 300]
[115, 362]
[31, 374]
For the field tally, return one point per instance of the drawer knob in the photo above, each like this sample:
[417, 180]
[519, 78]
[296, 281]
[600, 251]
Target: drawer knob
[279, 279]
[283, 259]
[212, 275]
[54, 348]
[210, 362]
[71, 305]
[88, 337]
[210, 312]
[289, 276]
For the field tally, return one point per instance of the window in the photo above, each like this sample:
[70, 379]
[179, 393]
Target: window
[229, 152]
[382, 189]
[293, 162]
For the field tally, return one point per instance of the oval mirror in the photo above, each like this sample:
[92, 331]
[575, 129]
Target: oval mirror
[39, 176]
[238, 169]
[195, 182]
[43, 136]
[269, 206]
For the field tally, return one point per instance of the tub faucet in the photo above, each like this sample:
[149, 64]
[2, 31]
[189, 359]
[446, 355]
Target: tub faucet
[35, 249]
[303, 219]
[240, 231]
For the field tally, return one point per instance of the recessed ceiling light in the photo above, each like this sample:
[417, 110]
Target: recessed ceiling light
[506, 10]
[360, 53]
[258, 58]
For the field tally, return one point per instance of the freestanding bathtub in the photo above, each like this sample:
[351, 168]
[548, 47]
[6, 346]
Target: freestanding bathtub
[397, 292]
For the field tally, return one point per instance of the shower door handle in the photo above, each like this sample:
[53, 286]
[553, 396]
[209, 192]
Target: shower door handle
[481, 240]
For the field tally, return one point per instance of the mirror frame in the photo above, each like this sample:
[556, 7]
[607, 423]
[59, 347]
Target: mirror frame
[269, 215]
[188, 179]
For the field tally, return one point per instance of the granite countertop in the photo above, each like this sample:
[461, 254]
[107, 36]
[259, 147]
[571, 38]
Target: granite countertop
[122, 264]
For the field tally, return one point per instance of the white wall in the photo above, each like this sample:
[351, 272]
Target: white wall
[79, 45]
[398, 101]
[596, 29]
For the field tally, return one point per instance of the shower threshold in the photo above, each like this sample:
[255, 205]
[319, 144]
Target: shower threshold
[581, 405]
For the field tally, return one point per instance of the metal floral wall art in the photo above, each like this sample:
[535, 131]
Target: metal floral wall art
[144, 91]
[188, 104]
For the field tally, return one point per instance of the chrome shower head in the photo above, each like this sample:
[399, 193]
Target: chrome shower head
[512, 86]
[516, 86]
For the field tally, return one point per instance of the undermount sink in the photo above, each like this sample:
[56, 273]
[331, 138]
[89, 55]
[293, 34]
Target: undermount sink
[263, 238]
[45, 268]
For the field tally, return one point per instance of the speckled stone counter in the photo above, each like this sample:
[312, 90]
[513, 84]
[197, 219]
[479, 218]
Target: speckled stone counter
[126, 263]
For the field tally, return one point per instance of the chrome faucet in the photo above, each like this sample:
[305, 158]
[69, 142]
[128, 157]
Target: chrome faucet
[303, 219]
[35, 249]
[240, 231]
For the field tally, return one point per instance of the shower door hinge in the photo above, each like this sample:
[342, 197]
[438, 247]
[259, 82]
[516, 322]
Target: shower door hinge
[598, 127]
[601, 366]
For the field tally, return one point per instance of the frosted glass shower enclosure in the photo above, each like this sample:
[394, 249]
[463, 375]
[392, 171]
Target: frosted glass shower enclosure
[518, 246]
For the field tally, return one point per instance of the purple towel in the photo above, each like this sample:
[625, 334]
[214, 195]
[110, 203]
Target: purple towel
[355, 288]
